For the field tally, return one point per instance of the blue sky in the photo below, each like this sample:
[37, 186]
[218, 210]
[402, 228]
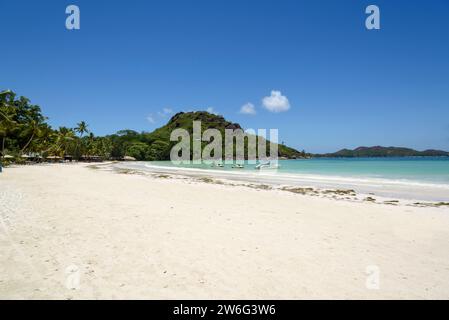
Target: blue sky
[346, 86]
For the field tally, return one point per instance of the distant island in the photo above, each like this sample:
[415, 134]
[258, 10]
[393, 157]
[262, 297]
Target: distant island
[378, 151]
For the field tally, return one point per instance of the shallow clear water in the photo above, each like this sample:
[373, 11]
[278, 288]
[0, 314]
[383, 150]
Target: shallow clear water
[416, 169]
[425, 178]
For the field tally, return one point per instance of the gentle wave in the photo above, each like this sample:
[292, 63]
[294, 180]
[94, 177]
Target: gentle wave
[302, 177]
[409, 189]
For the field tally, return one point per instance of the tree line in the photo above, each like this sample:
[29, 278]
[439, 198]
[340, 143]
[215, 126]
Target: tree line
[24, 131]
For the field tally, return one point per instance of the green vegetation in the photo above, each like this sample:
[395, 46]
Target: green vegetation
[379, 151]
[159, 139]
[24, 131]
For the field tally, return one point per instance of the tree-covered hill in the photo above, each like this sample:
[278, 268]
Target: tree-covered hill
[159, 144]
[378, 151]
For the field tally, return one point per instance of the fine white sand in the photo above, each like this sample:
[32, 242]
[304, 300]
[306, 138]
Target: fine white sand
[70, 232]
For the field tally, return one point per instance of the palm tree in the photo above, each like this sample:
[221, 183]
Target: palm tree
[90, 147]
[4, 116]
[64, 136]
[33, 121]
[33, 127]
[82, 128]
[7, 95]
[6, 126]
[6, 123]
[46, 139]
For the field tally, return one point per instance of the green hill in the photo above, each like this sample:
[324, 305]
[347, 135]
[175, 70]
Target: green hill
[158, 144]
[379, 151]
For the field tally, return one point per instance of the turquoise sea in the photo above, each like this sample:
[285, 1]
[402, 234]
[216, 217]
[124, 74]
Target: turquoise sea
[413, 178]
[417, 169]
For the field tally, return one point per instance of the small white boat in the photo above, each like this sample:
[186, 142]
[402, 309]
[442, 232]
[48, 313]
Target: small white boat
[267, 165]
[215, 164]
[262, 165]
[238, 166]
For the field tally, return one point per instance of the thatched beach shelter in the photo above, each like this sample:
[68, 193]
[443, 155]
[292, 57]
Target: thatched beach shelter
[128, 158]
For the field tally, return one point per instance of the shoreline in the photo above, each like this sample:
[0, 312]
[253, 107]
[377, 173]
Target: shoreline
[406, 191]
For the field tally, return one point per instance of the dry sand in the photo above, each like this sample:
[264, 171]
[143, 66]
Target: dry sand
[70, 232]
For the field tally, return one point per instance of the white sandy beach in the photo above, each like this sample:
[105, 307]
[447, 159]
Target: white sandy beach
[127, 236]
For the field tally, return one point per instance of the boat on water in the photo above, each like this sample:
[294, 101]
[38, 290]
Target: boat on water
[217, 164]
[267, 165]
[238, 166]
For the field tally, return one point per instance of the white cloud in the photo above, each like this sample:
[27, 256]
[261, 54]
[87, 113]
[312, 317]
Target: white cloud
[150, 119]
[276, 102]
[165, 112]
[248, 108]
[211, 110]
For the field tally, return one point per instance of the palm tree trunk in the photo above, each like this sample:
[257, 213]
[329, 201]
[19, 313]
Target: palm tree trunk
[3, 145]
[29, 141]
[79, 145]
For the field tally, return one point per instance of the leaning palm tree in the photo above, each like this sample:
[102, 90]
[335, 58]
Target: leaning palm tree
[34, 128]
[33, 123]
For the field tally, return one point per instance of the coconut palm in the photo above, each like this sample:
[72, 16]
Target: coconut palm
[82, 128]
[6, 96]
[33, 127]
[32, 121]
[90, 144]
[64, 137]
[7, 125]
[4, 116]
